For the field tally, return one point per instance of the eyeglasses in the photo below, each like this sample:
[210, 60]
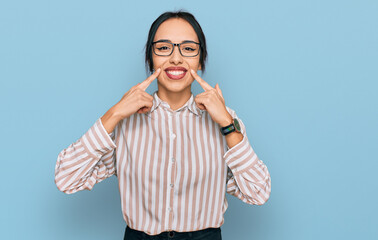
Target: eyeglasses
[165, 48]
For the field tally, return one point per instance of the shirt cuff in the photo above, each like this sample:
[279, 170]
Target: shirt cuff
[97, 141]
[240, 157]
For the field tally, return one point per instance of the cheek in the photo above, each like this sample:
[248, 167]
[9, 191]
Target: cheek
[195, 64]
[157, 62]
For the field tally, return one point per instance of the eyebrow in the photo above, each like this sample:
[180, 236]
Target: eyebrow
[167, 40]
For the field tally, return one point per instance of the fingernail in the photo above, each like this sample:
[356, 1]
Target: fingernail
[158, 70]
[192, 70]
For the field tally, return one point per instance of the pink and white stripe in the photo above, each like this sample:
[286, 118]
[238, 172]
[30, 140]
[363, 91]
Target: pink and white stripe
[173, 167]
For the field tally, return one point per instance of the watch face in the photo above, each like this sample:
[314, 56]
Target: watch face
[236, 124]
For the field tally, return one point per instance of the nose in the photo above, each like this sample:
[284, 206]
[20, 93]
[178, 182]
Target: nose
[176, 57]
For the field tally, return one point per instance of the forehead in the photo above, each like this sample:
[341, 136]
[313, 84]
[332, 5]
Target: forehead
[176, 30]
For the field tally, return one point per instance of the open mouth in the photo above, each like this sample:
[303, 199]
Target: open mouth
[176, 73]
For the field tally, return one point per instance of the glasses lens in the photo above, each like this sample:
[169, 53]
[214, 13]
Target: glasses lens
[189, 49]
[162, 48]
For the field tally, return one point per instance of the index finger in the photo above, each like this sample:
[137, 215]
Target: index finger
[144, 85]
[201, 82]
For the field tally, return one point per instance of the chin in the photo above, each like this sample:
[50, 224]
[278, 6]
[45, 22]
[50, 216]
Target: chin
[176, 88]
[175, 85]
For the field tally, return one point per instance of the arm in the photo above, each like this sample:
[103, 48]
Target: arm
[247, 176]
[92, 158]
[87, 161]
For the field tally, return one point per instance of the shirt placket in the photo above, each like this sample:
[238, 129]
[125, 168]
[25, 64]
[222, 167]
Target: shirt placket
[172, 166]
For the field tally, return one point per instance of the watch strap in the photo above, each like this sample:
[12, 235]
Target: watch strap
[228, 129]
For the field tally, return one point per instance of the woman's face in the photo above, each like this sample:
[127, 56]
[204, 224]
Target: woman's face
[176, 30]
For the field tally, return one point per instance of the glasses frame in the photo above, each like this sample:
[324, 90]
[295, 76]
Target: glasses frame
[173, 47]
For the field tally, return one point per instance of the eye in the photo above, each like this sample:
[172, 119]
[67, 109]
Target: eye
[163, 48]
[189, 49]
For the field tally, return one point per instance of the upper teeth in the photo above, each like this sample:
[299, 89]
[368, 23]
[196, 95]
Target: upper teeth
[175, 72]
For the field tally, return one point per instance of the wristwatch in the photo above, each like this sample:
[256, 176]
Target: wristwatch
[233, 127]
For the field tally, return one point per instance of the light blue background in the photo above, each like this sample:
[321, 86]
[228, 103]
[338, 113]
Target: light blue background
[302, 75]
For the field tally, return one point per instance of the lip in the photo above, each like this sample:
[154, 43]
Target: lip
[175, 69]
[175, 77]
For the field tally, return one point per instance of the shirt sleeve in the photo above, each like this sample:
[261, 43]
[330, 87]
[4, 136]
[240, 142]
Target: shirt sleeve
[247, 176]
[87, 161]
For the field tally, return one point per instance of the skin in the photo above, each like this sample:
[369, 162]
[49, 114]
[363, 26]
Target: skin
[175, 92]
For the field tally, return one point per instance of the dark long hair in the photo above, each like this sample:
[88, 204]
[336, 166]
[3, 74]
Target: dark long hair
[178, 14]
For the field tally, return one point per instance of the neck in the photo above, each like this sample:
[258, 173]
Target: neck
[174, 99]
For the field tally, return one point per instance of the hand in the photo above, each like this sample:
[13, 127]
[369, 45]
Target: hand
[212, 101]
[136, 100]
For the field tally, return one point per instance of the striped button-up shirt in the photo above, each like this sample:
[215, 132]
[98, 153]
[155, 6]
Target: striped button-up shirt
[173, 168]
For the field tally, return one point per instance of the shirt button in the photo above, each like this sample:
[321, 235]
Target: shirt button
[169, 209]
[171, 185]
[173, 159]
[173, 135]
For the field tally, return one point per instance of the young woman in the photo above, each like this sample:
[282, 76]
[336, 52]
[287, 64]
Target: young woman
[175, 155]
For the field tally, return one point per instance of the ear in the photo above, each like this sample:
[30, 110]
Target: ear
[200, 67]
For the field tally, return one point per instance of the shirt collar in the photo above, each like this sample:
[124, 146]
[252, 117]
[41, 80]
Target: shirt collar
[190, 104]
